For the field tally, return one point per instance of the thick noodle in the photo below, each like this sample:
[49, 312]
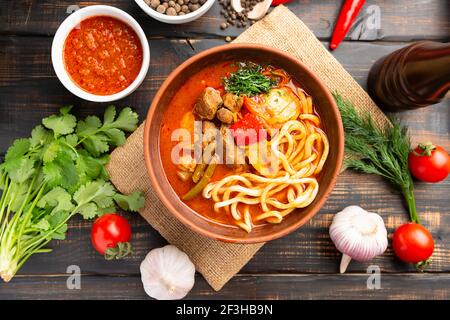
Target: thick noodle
[301, 149]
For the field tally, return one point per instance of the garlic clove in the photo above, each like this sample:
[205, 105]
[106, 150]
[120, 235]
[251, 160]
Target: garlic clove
[236, 5]
[259, 10]
[167, 273]
[358, 234]
[345, 261]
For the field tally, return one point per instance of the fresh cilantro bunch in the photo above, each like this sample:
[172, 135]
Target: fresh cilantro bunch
[56, 173]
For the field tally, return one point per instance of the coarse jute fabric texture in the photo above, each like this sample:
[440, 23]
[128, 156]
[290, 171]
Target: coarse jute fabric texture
[218, 261]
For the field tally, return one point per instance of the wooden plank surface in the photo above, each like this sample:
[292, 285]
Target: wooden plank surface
[273, 287]
[301, 265]
[401, 20]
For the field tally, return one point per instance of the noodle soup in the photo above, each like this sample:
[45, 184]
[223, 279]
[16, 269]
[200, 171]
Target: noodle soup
[242, 144]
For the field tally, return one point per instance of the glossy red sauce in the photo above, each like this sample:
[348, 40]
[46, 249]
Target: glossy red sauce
[103, 55]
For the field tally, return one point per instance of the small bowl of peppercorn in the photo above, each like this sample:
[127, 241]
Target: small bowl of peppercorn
[175, 11]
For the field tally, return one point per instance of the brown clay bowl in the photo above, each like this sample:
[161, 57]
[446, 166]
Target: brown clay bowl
[326, 107]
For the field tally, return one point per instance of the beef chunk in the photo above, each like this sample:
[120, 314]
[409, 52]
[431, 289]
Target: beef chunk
[233, 156]
[233, 102]
[208, 103]
[225, 115]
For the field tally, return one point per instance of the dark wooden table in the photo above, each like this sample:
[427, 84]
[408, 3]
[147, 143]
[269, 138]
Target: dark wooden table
[302, 265]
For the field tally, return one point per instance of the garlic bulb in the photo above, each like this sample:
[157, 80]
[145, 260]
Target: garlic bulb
[358, 234]
[167, 273]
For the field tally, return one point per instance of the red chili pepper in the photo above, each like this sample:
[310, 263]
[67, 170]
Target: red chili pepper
[248, 130]
[277, 2]
[349, 11]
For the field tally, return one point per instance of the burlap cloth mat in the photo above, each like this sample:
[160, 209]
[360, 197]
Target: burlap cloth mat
[218, 261]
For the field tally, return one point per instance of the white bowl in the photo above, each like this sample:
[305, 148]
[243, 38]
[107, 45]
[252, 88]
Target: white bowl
[71, 22]
[175, 19]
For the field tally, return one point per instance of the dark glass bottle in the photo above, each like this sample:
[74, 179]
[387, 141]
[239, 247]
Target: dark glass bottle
[413, 77]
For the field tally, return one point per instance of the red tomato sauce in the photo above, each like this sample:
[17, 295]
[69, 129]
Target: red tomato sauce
[103, 55]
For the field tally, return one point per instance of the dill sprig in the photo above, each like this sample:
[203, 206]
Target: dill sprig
[248, 80]
[379, 151]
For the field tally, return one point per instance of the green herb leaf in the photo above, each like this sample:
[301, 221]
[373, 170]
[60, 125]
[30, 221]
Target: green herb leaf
[70, 140]
[40, 136]
[51, 152]
[56, 221]
[61, 124]
[19, 148]
[131, 202]
[99, 192]
[249, 81]
[116, 136]
[89, 210]
[126, 121]
[21, 170]
[89, 166]
[96, 137]
[110, 115]
[43, 224]
[56, 199]
[61, 171]
[96, 144]
[18, 165]
[110, 209]
[65, 110]
[20, 191]
[89, 126]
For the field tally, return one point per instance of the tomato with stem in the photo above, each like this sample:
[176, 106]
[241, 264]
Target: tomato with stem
[110, 236]
[429, 163]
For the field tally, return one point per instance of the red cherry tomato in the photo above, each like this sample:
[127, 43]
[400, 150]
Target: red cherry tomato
[412, 243]
[429, 163]
[108, 230]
